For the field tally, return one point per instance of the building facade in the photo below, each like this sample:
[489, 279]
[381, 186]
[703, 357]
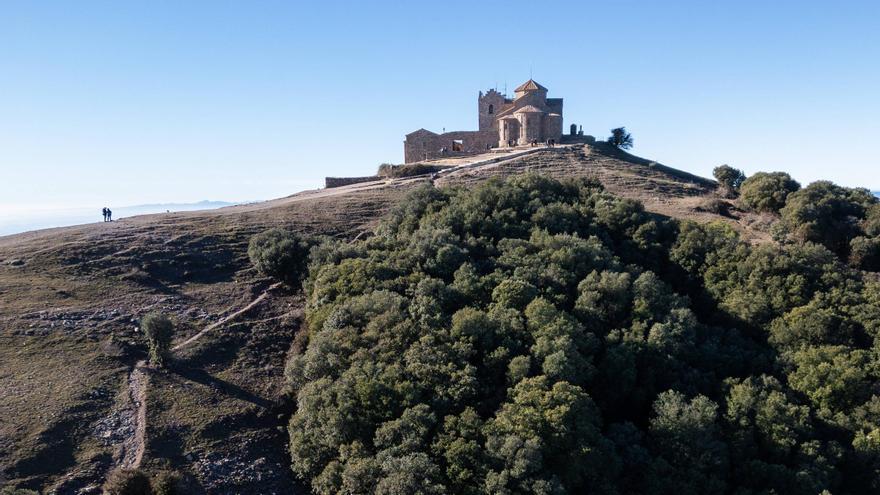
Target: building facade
[526, 118]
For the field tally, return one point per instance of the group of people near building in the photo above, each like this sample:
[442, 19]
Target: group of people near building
[512, 143]
[515, 142]
[108, 215]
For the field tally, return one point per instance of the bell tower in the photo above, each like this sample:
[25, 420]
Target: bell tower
[488, 106]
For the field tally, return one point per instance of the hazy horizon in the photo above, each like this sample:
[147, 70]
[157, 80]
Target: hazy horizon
[26, 220]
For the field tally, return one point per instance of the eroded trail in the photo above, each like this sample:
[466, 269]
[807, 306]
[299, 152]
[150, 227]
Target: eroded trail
[133, 446]
[227, 319]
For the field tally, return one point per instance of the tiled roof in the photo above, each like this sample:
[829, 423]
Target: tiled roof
[529, 85]
[529, 109]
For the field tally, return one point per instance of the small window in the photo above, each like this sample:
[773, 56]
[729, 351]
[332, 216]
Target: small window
[491, 108]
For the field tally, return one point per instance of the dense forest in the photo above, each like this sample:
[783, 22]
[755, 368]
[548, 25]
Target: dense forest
[538, 336]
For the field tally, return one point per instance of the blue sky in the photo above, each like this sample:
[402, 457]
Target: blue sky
[144, 102]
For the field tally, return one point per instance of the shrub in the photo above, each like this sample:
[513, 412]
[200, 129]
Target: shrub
[169, 483]
[407, 170]
[514, 293]
[767, 191]
[871, 225]
[280, 254]
[413, 170]
[619, 138]
[385, 169]
[159, 329]
[716, 206]
[865, 253]
[730, 178]
[827, 214]
[128, 482]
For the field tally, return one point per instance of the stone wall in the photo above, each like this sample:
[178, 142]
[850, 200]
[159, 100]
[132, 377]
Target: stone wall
[492, 99]
[344, 181]
[534, 98]
[532, 126]
[427, 146]
[552, 127]
[578, 138]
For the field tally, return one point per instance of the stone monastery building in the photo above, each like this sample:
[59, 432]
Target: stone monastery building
[527, 118]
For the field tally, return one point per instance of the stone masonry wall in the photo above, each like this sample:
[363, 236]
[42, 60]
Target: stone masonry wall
[496, 100]
[418, 148]
[344, 181]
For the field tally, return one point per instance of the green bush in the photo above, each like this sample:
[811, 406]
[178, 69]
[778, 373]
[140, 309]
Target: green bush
[865, 253]
[767, 191]
[729, 178]
[715, 206]
[169, 483]
[619, 138]
[385, 169]
[871, 225]
[407, 170]
[827, 214]
[414, 170]
[128, 482]
[280, 254]
[159, 329]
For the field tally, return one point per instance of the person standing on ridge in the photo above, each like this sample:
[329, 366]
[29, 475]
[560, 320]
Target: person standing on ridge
[104, 212]
[109, 215]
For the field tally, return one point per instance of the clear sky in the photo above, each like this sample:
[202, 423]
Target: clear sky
[127, 102]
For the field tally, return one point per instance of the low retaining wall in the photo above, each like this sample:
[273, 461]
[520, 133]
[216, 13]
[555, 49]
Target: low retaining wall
[577, 139]
[344, 181]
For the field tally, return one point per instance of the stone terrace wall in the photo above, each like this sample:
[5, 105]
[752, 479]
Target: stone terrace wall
[344, 181]
[416, 148]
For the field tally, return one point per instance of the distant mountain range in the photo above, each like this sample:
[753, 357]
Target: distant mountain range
[44, 219]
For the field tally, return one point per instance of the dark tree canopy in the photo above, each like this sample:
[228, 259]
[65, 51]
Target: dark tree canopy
[537, 336]
[828, 214]
[767, 191]
[620, 138]
[730, 178]
[280, 254]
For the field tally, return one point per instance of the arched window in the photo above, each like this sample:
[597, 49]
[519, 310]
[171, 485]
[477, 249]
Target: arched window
[491, 108]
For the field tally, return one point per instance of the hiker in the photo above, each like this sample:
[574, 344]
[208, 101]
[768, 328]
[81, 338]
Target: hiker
[109, 215]
[104, 212]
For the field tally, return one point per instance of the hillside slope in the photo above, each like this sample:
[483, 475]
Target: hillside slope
[70, 300]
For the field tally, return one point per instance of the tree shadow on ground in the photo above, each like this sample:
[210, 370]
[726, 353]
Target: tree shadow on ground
[223, 386]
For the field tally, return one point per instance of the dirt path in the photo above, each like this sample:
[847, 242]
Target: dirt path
[133, 446]
[227, 319]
